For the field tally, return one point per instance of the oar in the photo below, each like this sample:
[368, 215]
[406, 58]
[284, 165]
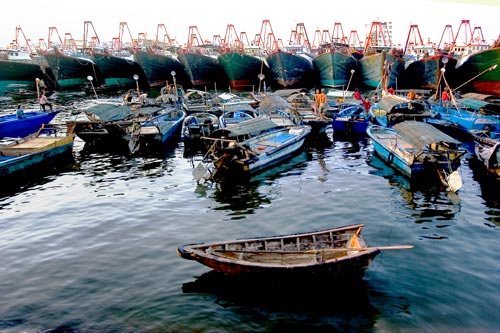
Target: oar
[340, 249]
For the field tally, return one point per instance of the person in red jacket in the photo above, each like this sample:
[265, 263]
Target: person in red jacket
[445, 98]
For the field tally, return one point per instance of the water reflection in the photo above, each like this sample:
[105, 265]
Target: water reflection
[429, 201]
[43, 173]
[243, 196]
[97, 163]
[332, 305]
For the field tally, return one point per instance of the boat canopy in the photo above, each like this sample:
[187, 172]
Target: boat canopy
[421, 135]
[271, 102]
[114, 112]
[248, 127]
[483, 106]
[395, 104]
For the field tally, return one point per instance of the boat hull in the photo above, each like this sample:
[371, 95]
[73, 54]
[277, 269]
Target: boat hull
[11, 126]
[403, 149]
[71, 72]
[351, 120]
[477, 63]
[25, 161]
[425, 73]
[380, 70]
[119, 71]
[20, 76]
[158, 69]
[334, 69]
[318, 254]
[291, 70]
[487, 150]
[203, 70]
[243, 70]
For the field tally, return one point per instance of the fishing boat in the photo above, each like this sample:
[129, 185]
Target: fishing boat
[351, 120]
[155, 133]
[481, 67]
[465, 114]
[392, 109]
[197, 125]
[105, 120]
[423, 63]
[248, 147]
[381, 64]
[339, 253]
[233, 109]
[120, 71]
[487, 150]
[305, 106]
[160, 62]
[199, 59]
[116, 62]
[22, 68]
[335, 65]
[235, 115]
[12, 126]
[292, 64]
[70, 63]
[419, 150]
[244, 63]
[43, 146]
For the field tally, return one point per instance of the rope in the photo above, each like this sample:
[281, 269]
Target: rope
[475, 77]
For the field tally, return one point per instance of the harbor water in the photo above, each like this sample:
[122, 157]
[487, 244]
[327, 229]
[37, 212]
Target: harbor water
[90, 245]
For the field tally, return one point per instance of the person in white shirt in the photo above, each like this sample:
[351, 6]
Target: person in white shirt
[44, 102]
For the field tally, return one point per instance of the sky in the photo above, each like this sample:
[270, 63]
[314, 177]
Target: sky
[212, 17]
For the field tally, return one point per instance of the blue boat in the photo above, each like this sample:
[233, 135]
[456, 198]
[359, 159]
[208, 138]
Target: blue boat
[13, 127]
[467, 114]
[351, 120]
[248, 147]
[157, 132]
[23, 154]
[417, 149]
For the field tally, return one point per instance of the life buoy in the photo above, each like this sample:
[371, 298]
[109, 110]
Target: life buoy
[390, 158]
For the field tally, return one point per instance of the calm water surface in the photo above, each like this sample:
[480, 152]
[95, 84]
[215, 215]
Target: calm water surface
[90, 246]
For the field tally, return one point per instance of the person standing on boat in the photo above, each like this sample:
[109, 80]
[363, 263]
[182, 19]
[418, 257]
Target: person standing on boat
[357, 96]
[316, 103]
[44, 102]
[367, 104]
[20, 112]
[322, 104]
[445, 98]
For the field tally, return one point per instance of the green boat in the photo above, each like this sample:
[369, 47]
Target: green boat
[482, 69]
[335, 67]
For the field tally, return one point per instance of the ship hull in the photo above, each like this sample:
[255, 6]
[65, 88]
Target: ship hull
[381, 70]
[243, 70]
[473, 65]
[291, 70]
[425, 73]
[119, 71]
[71, 72]
[158, 68]
[15, 76]
[203, 70]
[334, 69]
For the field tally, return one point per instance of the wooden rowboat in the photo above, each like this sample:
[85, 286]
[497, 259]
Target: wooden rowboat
[333, 253]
